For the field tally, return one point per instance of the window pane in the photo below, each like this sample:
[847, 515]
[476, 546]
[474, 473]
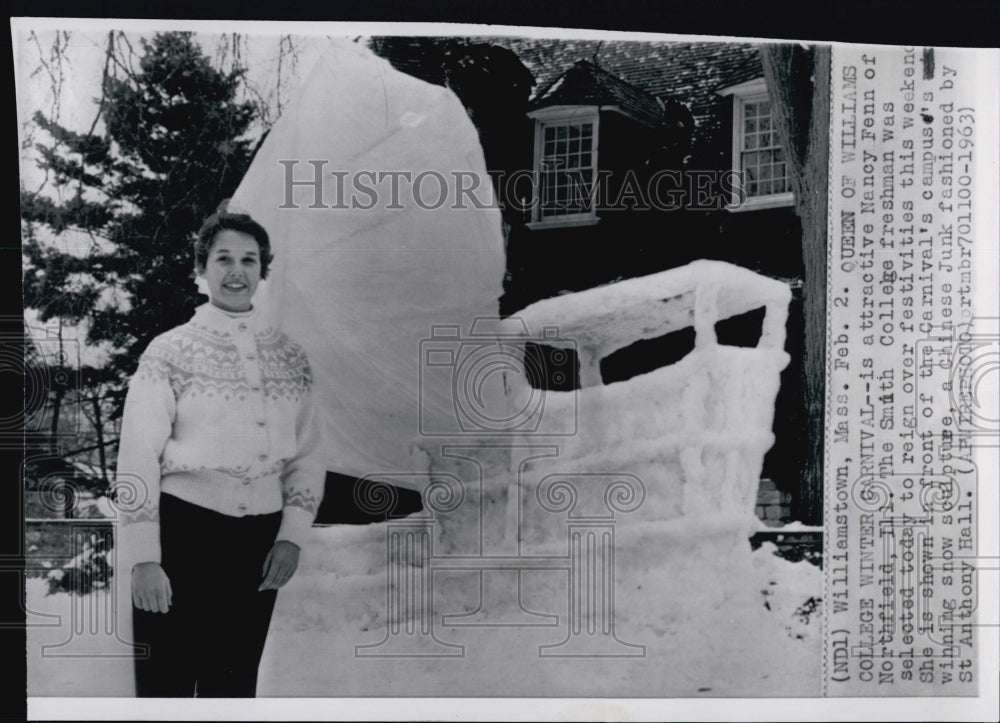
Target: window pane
[761, 160]
[568, 164]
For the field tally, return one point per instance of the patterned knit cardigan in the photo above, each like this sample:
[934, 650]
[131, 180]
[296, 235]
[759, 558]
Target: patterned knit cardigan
[219, 413]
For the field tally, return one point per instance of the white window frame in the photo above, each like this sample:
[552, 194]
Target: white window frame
[559, 115]
[751, 91]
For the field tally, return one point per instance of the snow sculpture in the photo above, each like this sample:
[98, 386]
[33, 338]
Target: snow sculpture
[699, 427]
[633, 488]
[694, 432]
[577, 515]
[359, 185]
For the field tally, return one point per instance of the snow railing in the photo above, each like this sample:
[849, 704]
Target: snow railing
[606, 318]
[679, 451]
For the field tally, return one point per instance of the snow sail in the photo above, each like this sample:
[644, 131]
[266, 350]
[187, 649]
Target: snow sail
[360, 186]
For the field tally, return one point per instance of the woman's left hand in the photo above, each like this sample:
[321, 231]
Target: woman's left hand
[280, 565]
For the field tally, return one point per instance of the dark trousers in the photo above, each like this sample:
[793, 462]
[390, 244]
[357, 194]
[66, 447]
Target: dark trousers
[210, 642]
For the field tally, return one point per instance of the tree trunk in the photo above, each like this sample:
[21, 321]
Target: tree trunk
[798, 81]
[99, 430]
[54, 423]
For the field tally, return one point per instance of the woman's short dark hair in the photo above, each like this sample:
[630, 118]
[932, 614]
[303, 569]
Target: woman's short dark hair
[224, 220]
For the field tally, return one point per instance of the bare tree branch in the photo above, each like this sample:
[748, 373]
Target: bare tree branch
[104, 77]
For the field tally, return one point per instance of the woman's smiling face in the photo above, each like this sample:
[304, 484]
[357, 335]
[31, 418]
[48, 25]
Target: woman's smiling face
[232, 270]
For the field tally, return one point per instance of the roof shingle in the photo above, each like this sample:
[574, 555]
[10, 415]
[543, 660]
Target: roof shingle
[586, 84]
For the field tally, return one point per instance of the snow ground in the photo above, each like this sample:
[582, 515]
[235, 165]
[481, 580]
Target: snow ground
[755, 644]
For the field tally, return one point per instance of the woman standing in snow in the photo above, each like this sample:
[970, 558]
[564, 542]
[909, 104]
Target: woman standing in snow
[220, 446]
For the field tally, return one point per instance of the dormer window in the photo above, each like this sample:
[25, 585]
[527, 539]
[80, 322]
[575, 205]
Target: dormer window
[758, 157]
[565, 165]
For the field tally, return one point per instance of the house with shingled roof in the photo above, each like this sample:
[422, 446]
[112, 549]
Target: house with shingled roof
[617, 159]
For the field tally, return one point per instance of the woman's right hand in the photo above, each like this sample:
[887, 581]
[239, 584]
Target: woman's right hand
[151, 587]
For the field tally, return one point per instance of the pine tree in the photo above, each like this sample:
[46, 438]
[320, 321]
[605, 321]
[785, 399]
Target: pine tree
[171, 143]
